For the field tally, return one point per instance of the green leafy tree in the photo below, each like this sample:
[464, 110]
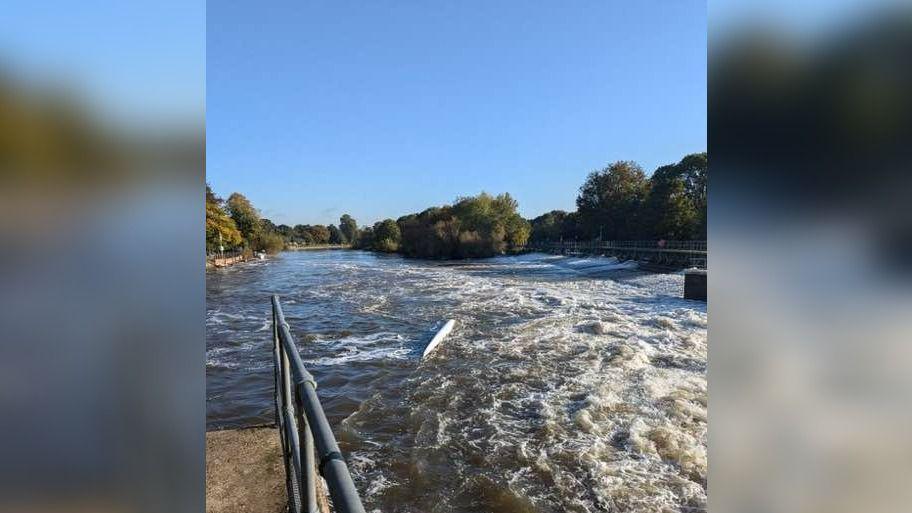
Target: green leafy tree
[475, 226]
[668, 212]
[335, 235]
[285, 231]
[268, 226]
[365, 238]
[349, 228]
[517, 232]
[572, 227]
[675, 207]
[548, 227]
[610, 199]
[386, 235]
[301, 234]
[694, 171]
[245, 216]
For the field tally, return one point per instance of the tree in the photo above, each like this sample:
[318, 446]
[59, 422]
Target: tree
[270, 242]
[475, 226]
[301, 234]
[245, 216]
[694, 169]
[571, 228]
[610, 199]
[285, 231]
[320, 234]
[517, 231]
[386, 235]
[548, 227]
[335, 235]
[668, 213]
[220, 228]
[365, 239]
[268, 226]
[349, 228]
[675, 207]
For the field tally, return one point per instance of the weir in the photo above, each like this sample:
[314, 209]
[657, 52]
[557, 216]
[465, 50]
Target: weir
[664, 253]
[308, 444]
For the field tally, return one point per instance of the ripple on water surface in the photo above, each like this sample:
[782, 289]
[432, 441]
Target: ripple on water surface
[568, 384]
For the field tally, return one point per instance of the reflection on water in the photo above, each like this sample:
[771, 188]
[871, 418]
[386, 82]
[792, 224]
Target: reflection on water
[568, 384]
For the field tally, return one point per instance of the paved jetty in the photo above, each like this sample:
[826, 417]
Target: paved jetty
[244, 471]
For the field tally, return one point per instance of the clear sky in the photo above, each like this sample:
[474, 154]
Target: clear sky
[383, 108]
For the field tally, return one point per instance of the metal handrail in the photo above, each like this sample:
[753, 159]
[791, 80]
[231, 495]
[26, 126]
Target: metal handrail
[307, 439]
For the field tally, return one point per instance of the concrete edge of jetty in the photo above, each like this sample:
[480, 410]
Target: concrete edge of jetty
[245, 473]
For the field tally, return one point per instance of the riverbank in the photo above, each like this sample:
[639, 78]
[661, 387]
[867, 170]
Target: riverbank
[315, 247]
[216, 263]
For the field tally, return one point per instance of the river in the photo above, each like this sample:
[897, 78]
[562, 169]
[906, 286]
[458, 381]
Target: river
[568, 384]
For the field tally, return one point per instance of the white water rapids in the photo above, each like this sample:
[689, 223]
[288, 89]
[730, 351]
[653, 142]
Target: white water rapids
[568, 384]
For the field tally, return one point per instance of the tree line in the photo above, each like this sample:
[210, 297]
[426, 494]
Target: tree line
[618, 202]
[235, 224]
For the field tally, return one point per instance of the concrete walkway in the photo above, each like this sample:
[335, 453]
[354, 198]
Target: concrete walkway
[244, 471]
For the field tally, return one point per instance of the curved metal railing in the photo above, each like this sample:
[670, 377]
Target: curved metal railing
[308, 443]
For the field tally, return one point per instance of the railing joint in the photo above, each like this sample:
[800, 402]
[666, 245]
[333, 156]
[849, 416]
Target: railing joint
[326, 458]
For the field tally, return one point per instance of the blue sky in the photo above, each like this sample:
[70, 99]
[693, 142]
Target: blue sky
[382, 108]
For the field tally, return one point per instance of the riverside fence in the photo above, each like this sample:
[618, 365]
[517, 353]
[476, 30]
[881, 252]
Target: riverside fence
[308, 444]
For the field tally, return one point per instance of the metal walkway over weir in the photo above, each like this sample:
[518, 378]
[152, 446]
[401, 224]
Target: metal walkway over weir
[671, 253]
[308, 444]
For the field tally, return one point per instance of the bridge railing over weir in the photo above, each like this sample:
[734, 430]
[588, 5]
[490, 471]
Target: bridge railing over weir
[684, 252]
[308, 443]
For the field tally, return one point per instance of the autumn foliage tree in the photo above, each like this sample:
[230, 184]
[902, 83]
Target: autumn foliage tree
[221, 232]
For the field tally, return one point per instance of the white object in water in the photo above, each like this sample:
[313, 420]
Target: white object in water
[441, 334]
[261, 256]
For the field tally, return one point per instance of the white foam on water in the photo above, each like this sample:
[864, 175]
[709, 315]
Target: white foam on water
[572, 384]
[355, 348]
[556, 413]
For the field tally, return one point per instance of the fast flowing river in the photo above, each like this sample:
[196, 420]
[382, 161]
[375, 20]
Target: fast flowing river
[568, 384]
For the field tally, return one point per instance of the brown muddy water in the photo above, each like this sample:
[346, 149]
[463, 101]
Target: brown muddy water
[568, 384]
